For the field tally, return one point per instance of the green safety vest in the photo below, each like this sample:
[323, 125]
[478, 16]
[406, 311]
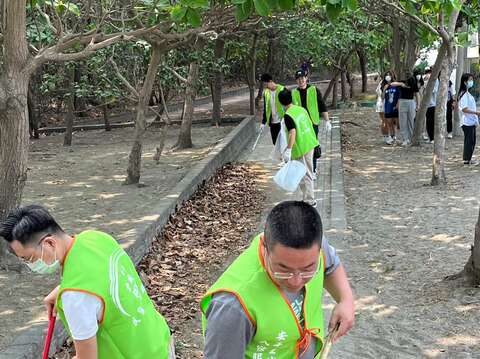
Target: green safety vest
[312, 103]
[278, 333]
[130, 327]
[268, 106]
[305, 138]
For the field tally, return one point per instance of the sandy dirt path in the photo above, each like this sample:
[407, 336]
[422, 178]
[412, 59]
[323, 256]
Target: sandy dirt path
[404, 237]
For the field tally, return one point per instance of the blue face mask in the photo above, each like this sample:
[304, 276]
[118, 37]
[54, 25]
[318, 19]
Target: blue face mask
[469, 84]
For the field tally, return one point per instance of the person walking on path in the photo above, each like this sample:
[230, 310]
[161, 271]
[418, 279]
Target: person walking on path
[310, 98]
[408, 105]
[469, 113]
[268, 303]
[451, 105]
[391, 94]
[301, 142]
[380, 106]
[272, 109]
[101, 300]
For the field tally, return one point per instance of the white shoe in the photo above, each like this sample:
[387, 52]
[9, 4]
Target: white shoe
[425, 137]
[450, 135]
[315, 176]
[312, 203]
[432, 142]
[405, 143]
[389, 141]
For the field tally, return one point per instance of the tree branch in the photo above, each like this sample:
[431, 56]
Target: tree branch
[414, 17]
[177, 75]
[124, 80]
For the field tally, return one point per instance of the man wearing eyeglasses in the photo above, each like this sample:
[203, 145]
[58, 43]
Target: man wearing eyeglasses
[100, 300]
[268, 303]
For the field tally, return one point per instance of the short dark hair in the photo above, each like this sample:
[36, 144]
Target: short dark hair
[266, 78]
[285, 97]
[23, 223]
[294, 224]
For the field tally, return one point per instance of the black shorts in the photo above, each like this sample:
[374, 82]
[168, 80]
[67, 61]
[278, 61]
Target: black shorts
[393, 114]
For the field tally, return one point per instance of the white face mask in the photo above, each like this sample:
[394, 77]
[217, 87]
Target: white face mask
[469, 84]
[388, 78]
[419, 77]
[40, 267]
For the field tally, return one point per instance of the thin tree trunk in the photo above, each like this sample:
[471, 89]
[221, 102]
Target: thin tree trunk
[106, 117]
[350, 81]
[335, 94]
[344, 85]
[259, 96]
[217, 84]
[427, 95]
[362, 59]
[472, 268]
[251, 74]
[438, 168]
[331, 85]
[185, 136]
[135, 157]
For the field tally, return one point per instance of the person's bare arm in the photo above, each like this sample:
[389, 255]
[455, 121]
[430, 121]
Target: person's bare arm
[291, 138]
[86, 349]
[466, 110]
[344, 312]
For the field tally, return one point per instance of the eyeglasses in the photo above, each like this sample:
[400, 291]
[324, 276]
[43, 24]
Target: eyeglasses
[290, 275]
[29, 260]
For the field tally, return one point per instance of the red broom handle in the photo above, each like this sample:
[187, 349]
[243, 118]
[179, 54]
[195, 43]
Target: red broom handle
[48, 341]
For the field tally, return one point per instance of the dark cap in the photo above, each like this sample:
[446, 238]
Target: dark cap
[300, 73]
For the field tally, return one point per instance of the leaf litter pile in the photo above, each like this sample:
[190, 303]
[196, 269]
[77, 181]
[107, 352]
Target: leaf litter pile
[198, 242]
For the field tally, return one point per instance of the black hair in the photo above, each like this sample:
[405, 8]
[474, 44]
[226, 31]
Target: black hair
[285, 97]
[463, 86]
[266, 78]
[23, 223]
[294, 224]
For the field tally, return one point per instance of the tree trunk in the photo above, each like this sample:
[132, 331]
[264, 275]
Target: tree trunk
[350, 81]
[106, 117]
[344, 85]
[427, 95]
[217, 83]
[438, 168]
[135, 157]
[411, 46]
[461, 55]
[67, 139]
[396, 48]
[331, 85]
[185, 136]
[251, 74]
[335, 94]
[362, 59]
[472, 268]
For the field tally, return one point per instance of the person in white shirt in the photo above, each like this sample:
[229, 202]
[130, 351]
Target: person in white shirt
[430, 115]
[469, 114]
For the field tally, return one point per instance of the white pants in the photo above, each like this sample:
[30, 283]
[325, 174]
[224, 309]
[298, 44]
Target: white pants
[307, 183]
[171, 351]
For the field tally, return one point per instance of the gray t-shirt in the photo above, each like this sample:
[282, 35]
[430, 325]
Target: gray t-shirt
[229, 331]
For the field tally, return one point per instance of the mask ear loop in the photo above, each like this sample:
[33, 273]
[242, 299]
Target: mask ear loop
[53, 260]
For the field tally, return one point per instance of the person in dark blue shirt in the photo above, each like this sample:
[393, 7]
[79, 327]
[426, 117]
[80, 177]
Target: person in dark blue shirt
[392, 94]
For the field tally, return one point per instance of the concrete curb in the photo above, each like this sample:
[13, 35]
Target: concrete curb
[29, 345]
[331, 181]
